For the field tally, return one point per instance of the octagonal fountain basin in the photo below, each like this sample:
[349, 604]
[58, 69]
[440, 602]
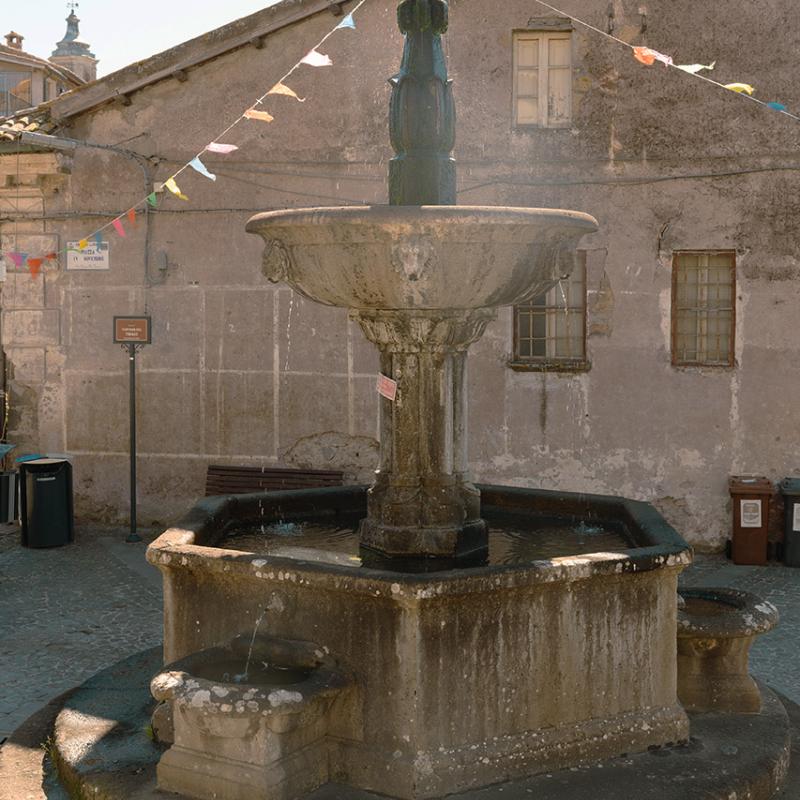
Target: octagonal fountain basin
[420, 257]
[461, 677]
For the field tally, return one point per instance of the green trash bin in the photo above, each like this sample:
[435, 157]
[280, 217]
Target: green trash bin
[790, 489]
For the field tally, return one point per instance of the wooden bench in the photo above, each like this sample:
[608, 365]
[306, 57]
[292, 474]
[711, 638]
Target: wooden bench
[243, 480]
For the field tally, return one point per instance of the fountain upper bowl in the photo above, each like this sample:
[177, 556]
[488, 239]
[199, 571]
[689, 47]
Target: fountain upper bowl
[420, 257]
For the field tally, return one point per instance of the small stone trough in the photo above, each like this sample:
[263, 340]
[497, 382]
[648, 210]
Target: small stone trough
[716, 629]
[260, 733]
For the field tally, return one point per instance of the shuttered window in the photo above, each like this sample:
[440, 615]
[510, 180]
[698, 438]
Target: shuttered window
[543, 79]
[703, 309]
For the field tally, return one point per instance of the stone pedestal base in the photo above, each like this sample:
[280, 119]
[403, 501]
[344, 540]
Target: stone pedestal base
[467, 542]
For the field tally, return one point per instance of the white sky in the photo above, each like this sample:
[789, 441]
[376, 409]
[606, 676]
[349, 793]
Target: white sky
[121, 31]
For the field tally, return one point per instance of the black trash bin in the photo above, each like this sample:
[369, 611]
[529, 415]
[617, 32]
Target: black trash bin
[46, 502]
[9, 497]
[790, 489]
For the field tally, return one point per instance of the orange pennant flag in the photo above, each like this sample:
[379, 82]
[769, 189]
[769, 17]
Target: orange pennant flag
[35, 266]
[282, 88]
[645, 55]
[264, 116]
[51, 256]
[132, 216]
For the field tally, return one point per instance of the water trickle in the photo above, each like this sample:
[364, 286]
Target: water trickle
[243, 676]
[289, 332]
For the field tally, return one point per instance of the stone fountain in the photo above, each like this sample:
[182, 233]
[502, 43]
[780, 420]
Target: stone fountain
[426, 668]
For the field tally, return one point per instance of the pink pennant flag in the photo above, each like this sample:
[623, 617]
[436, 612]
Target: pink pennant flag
[216, 147]
[118, 227]
[17, 258]
[316, 59]
[264, 116]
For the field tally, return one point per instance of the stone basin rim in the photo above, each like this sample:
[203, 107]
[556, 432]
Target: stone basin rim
[372, 215]
[744, 614]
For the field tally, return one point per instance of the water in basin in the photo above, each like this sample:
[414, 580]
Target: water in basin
[514, 537]
[259, 673]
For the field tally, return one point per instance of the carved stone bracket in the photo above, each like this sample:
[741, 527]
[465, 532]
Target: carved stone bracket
[277, 262]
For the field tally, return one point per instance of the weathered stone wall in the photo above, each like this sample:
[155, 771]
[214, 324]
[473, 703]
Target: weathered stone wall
[242, 371]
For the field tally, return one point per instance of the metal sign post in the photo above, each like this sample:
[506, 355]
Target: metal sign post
[132, 333]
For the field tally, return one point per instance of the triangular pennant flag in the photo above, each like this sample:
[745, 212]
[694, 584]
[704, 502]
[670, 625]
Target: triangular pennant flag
[282, 88]
[35, 266]
[52, 256]
[98, 240]
[316, 59]
[216, 147]
[264, 116]
[693, 69]
[741, 88]
[347, 22]
[174, 188]
[83, 244]
[777, 106]
[645, 55]
[132, 216]
[648, 56]
[118, 227]
[152, 200]
[18, 258]
[198, 166]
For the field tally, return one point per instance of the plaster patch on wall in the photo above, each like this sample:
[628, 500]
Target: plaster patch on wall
[356, 456]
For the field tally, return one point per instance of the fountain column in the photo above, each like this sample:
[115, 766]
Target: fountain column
[422, 502]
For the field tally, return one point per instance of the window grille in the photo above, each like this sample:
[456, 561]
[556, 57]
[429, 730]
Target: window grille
[703, 308]
[550, 330]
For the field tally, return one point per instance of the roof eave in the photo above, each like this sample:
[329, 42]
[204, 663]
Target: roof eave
[162, 66]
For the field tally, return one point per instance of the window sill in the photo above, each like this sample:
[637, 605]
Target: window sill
[550, 366]
[704, 367]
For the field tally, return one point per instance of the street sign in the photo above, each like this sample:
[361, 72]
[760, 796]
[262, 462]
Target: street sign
[93, 257]
[132, 333]
[132, 330]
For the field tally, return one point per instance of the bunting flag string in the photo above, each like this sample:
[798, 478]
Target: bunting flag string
[648, 57]
[313, 58]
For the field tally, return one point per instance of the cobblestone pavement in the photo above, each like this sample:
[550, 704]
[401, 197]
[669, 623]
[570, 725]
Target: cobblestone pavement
[67, 612]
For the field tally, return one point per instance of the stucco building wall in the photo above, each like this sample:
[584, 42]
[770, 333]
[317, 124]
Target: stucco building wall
[242, 371]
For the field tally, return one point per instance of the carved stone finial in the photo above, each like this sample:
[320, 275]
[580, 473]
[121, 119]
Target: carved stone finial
[419, 15]
[422, 113]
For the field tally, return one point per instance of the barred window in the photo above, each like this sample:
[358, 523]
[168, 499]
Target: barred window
[550, 331]
[703, 308]
[543, 78]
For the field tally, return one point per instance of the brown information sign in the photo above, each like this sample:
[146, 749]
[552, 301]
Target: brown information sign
[132, 330]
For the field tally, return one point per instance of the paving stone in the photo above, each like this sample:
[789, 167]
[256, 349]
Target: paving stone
[68, 612]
